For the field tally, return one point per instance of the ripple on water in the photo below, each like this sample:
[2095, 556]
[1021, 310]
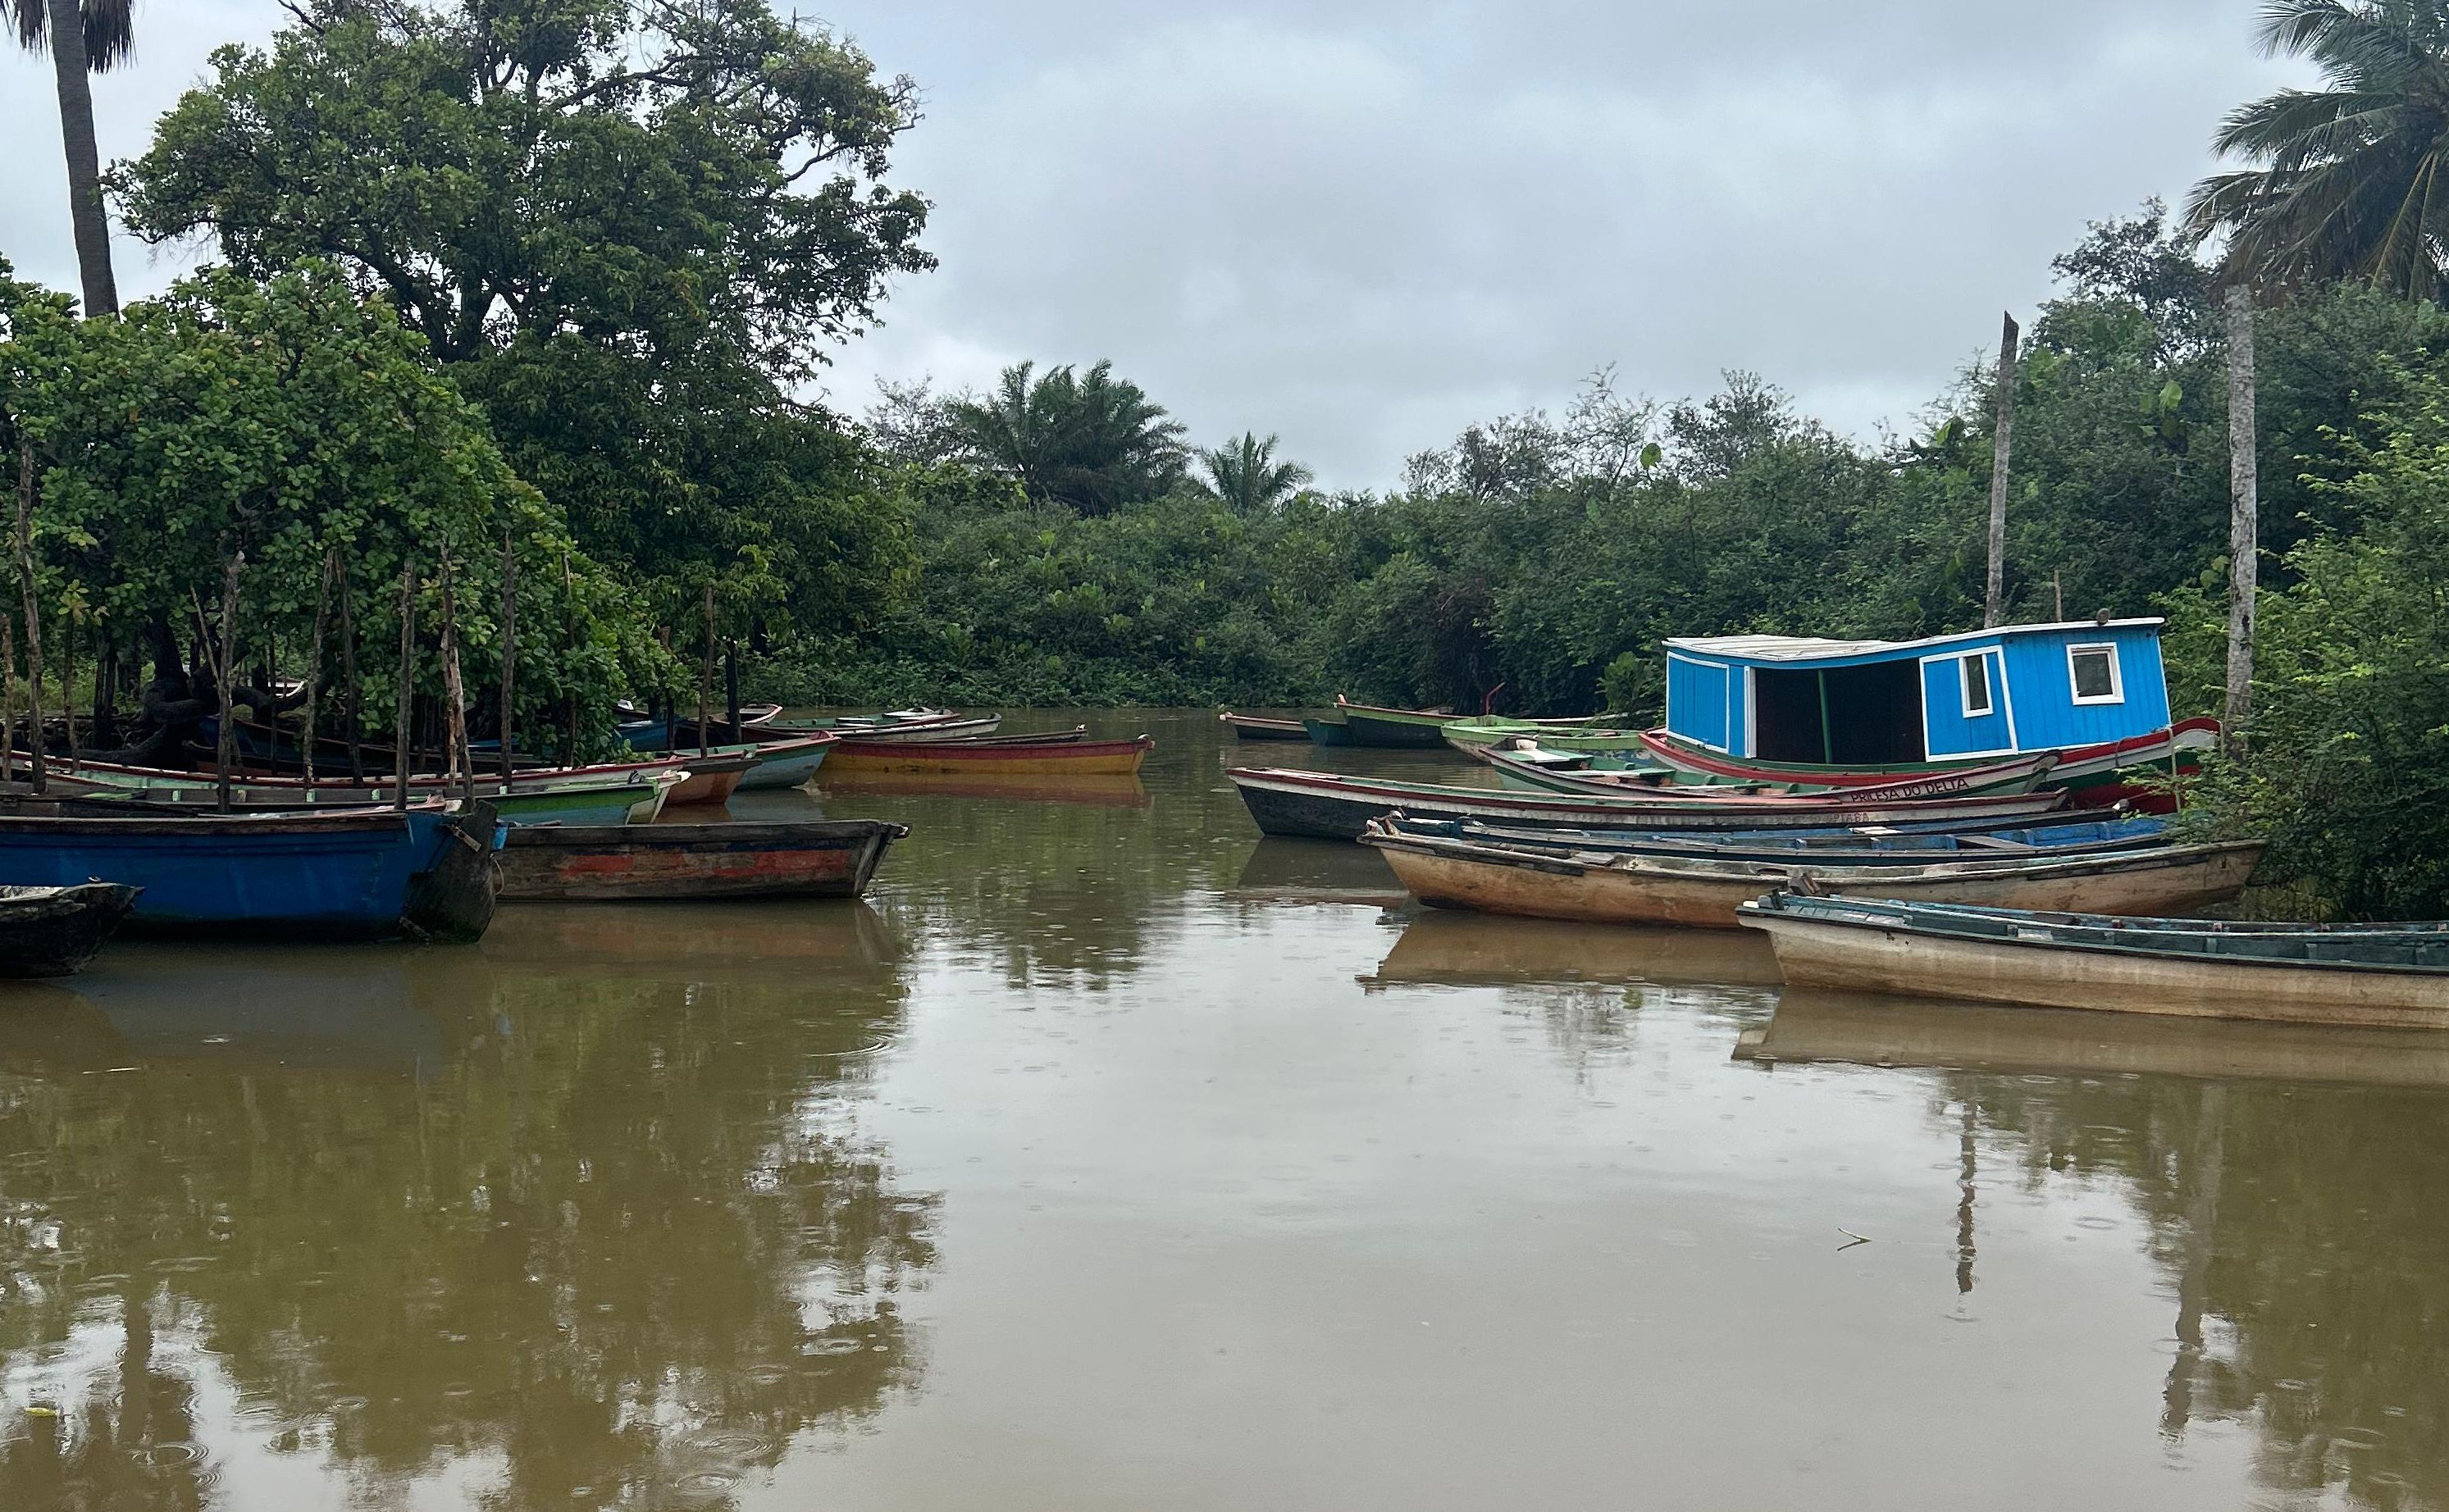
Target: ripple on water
[705, 1483]
[2095, 1221]
[833, 1346]
[175, 1452]
[730, 1444]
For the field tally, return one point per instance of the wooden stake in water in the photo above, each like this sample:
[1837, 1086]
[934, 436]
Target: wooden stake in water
[2245, 517]
[459, 767]
[33, 611]
[570, 657]
[226, 751]
[67, 687]
[1995, 590]
[407, 680]
[7, 698]
[510, 643]
[349, 675]
[705, 681]
[314, 658]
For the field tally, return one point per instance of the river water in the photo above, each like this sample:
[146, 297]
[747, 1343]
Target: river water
[1108, 1157]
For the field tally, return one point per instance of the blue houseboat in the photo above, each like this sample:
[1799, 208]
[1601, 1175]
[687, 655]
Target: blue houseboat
[1872, 703]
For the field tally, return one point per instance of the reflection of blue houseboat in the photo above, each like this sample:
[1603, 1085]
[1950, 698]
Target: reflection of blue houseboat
[1869, 703]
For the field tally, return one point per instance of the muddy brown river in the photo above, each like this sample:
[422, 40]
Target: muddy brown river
[1111, 1157]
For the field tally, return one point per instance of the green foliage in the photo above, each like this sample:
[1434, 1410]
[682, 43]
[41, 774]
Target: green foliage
[1247, 477]
[1094, 442]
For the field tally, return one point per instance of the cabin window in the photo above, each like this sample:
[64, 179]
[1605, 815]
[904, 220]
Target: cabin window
[1977, 683]
[2094, 671]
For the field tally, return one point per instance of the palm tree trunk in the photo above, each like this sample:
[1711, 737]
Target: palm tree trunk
[92, 224]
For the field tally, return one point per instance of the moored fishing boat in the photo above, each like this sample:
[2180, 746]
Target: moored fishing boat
[784, 763]
[1326, 729]
[1063, 756]
[1402, 729]
[636, 798]
[364, 872]
[1868, 846]
[1547, 883]
[2133, 769]
[1326, 806]
[920, 732]
[1594, 735]
[2388, 975]
[709, 779]
[52, 931]
[1254, 727]
[2016, 774]
[798, 859]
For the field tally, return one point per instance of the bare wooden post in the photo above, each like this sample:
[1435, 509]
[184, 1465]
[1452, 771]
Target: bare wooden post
[2000, 445]
[731, 686]
[407, 679]
[349, 675]
[2244, 518]
[569, 604]
[315, 659]
[225, 669]
[33, 612]
[67, 684]
[2058, 599]
[705, 681]
[7, 697]
[454, 729]
[509, 644]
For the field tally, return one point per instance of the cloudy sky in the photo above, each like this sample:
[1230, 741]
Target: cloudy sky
[1365, 224]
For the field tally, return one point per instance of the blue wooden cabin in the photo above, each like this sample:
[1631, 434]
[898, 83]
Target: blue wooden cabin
[2017, 688]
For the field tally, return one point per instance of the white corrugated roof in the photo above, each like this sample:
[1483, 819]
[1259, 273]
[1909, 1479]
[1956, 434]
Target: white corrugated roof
[1816, 648]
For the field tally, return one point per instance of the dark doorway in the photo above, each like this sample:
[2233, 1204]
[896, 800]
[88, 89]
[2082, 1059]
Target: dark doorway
[1873, 713]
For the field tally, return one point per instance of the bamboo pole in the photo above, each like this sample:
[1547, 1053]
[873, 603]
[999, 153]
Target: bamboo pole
[315, 659]
[225, 748]
[510, 643]
[2243, 519]
[33, 611]
[454, 729]
[407, 680]
[705, 682]
[1995, 590]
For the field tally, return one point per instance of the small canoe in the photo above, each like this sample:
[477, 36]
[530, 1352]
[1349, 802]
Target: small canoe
[1401, 729]
[1059, 758]
[1327, 730]
[433, 784]
[711, 779]
[916, 731]
[1326, 806]
[2110, 771]
[1599, 735]
[798, 859]
[785, 763]
[54, 932]
[1541, 883]
[1252, 727]
[2384, 975]
[2014, 774]
[634, 799]
[366, 873]
[1813, 848]
[1071, 737]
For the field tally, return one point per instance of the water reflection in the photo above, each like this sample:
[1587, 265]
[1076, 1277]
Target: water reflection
[588, 1208]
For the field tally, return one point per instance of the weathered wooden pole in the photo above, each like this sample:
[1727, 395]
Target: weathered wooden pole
[33, 612]
[407, 680]
[2244, 518]
[570, 657]
[705, 681]
[68, 683]
[731, 685]
[7, 697]
[454, 728]
[349, 675]
[224, 670]
[2001, 444]
[510, 642]
[315, 659]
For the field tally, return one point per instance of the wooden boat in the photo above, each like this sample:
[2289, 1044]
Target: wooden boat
[1541, 883]
[2108, 772]
[1062, 756]
[1326, 806]
[1252, 727]
[1868, 846]
[673, 732]
[2015, 775]
[52, 931]
[798, 859]
[919, 731]
[363, 872]
[783, 763]
[1374, 724]
[2386, 975]
[1327, 730]
[1074, 736]
[433, 783]
[634, 799]
[711, 779]
[1596, 735]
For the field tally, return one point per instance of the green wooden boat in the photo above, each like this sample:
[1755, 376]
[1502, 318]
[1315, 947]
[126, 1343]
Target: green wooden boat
[1400, 729]
[1598, 735]
[1327, 730]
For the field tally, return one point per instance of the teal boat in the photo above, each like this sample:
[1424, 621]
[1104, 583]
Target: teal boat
[1327, 730]
[635, 798]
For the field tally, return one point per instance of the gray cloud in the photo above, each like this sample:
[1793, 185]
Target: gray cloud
[1366, 225]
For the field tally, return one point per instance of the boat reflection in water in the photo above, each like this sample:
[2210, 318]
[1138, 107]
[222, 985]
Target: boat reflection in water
[588, 1212]
[1480, 950]
[1282, 870]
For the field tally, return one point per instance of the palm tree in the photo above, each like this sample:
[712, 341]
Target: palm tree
[84, 39]
[1246, 476]
[2353, 180]
[1094, 442]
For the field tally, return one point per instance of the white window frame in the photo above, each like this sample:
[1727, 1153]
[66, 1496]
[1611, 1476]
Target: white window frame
[2116, 693]
[1964, 684]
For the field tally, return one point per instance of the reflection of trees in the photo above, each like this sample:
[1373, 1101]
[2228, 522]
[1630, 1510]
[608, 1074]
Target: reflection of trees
[628, 1237]
[2308, 1248]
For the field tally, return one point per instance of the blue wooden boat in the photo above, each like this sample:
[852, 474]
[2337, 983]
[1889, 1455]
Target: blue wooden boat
[423, 871]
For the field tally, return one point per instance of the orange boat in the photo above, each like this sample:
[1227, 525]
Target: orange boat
[1058, 755]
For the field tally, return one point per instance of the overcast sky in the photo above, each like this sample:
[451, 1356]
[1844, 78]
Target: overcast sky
[1365, 225]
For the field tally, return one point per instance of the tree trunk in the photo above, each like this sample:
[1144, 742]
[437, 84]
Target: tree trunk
[706, 678]
[33, 610]
[2244, 518]
[509, 646]
[72, 72]
[407, 679]
[455, 728]
[1995, 592]
[225, 671]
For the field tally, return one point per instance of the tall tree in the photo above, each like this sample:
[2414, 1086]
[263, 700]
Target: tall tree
[2350, 177]
[1090, 440]
[1246, 476]
[83, 40]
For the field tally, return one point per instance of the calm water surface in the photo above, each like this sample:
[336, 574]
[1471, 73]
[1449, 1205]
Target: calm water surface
[1111, 1157]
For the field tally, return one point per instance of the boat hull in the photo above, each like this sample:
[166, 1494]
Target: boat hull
[713, 780]
[1393, 729]
[1328, 731]
[1251, 727]
[812, 859]
[1859, 958]
[2132, 770]
[1059, 758]
[54, 932]
[1639, 889]
[787, 763]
